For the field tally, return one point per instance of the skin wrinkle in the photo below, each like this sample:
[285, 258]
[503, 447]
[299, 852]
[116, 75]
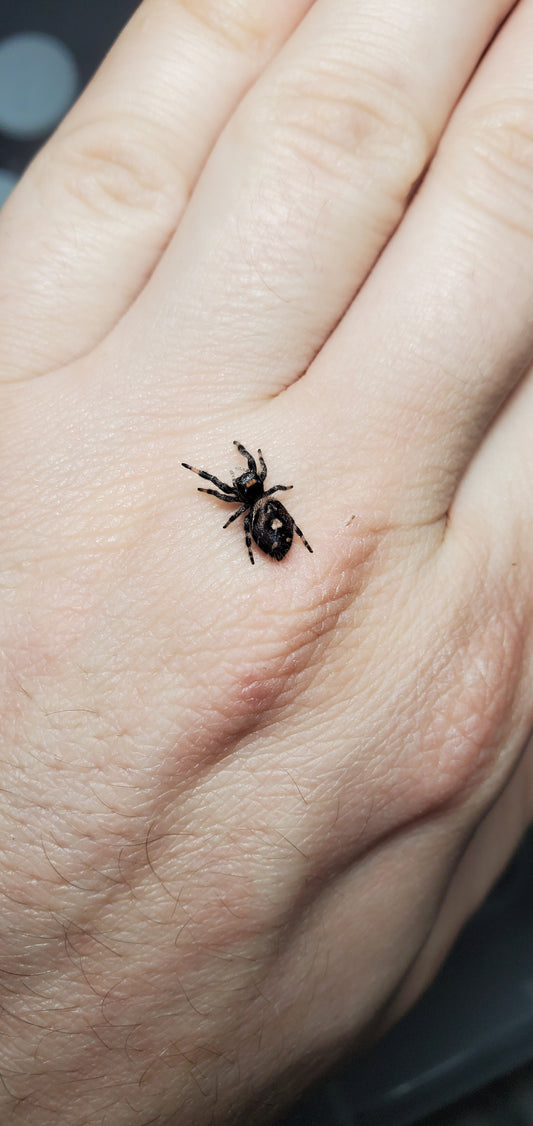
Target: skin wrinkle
[237, 23]
[497, 147]
[371, 114]
[107, 178]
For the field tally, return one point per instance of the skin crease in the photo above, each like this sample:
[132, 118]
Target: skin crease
[245, 811]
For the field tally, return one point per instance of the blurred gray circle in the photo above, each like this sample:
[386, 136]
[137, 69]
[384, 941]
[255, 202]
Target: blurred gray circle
[7, 182]
[38, 82]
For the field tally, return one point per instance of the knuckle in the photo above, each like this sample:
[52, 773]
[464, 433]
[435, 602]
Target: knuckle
[493, 160]
[117, 168]
[343, 122]
[237, 23]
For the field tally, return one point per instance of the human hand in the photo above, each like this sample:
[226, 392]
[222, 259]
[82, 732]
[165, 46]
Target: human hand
[245, 810]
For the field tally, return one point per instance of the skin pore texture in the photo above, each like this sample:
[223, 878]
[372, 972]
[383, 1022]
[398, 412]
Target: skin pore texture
[245, 811]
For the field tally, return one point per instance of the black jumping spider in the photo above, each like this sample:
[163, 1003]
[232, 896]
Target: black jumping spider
[266, 521]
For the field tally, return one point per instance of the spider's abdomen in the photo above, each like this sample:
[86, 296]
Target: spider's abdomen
[272, 527]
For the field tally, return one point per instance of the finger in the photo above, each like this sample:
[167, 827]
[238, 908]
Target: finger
[457, 286]
[306, 186]
[83, 230]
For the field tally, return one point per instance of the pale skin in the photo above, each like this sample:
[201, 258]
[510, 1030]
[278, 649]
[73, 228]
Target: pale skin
[245, 810]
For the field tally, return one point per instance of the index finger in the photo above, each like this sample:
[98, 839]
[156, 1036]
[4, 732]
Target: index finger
[85, 227]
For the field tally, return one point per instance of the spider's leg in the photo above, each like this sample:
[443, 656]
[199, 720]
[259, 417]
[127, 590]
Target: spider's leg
[221, 496]
[248, 537]
[302, 537]
[234, 515]
[209, 477]
[262, 466]
[251, 460]
[276, 488]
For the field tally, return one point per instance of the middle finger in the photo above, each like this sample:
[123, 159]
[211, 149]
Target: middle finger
[306, 186]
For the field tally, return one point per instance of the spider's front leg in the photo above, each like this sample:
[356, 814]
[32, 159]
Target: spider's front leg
[209, 477]
[251, 460]
[262, 466]
[221, 496]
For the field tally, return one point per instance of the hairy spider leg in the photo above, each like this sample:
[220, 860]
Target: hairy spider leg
[248, 537]
[251, 460]
[234, 515]
[262, 466]
[302, 537]
[221, 496]
[208, 477]
[276, 489]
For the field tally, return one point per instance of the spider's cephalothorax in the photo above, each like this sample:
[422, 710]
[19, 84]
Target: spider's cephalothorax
[266, 521]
